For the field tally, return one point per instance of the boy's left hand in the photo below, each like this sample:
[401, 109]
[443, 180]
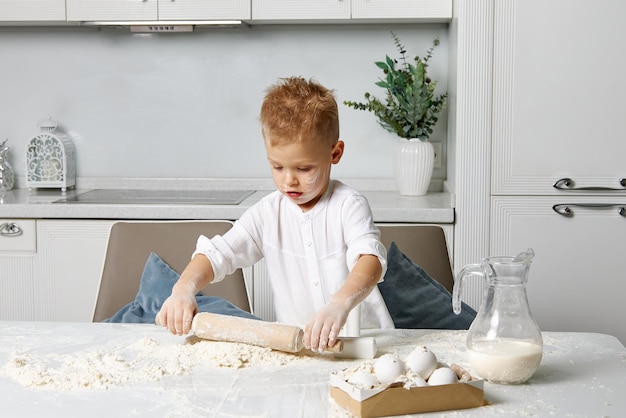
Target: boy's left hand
[324, 326]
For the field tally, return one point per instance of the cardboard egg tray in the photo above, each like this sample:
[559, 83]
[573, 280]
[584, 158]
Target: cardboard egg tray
[396, 400]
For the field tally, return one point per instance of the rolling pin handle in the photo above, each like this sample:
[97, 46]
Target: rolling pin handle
[337, 348]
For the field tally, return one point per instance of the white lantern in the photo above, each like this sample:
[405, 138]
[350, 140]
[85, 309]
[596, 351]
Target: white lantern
[50, 159]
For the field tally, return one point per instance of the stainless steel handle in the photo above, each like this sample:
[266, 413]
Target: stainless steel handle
[569, 184]
[565, 208]
[10, 229]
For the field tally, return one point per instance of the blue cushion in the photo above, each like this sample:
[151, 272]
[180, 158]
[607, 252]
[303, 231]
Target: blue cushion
[156, 285]
[416, 300]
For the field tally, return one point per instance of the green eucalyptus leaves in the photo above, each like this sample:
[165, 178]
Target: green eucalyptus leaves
[410, 109]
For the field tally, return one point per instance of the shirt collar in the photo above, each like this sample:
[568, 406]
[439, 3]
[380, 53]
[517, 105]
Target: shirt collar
[321, 204]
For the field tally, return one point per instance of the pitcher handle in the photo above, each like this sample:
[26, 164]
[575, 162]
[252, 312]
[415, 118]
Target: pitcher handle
[457, 290]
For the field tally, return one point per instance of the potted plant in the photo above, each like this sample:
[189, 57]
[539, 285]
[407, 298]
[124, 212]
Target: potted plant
[410, 111]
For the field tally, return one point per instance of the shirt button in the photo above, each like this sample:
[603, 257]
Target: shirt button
[308, 244]
[316, 283]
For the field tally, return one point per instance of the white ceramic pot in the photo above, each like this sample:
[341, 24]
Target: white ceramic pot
[413, 166]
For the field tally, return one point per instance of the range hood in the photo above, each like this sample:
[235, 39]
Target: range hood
[166, 26]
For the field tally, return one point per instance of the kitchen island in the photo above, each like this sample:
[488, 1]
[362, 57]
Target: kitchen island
[581, 375]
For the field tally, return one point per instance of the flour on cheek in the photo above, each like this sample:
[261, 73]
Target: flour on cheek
[313, 179]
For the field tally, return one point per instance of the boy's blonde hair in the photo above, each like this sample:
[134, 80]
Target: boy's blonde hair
[296, 110]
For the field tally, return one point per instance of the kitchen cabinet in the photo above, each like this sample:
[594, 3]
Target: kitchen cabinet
[152, 10]
[253, 11]
[18, 250]
[294, 10]
[576, 281]
[32, 10]
[69, 265]
[546, 128]
[558, 96]
[553, 103]
[204, 10]
[111, 10]
[402, 9]
[370, 10]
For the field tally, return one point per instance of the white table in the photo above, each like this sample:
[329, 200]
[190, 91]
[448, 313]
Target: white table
[582, 375]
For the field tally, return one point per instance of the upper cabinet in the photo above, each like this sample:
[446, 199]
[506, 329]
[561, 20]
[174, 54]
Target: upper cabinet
[558, 90]
[425, 10]
[294, 10]
[350, 10]
[93, 10]
[153, 10]
[204, 10]
[32, 10]
[252, 11]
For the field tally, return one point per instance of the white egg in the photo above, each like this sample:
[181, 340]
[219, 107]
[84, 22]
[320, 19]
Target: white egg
[388, 368]
[363, 379]
[422, 361]
[443, 376]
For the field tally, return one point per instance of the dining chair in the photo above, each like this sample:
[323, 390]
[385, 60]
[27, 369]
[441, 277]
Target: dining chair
[425, 245]
[128, 248]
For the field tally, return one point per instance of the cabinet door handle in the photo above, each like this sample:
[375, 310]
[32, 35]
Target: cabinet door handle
[10, 229]
[565, 208]
[569, 184]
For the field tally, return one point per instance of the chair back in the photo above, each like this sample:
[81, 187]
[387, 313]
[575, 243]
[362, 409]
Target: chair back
[128, 248]
[425, 245]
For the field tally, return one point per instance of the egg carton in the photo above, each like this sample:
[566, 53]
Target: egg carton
[390, 386]
[396, 400]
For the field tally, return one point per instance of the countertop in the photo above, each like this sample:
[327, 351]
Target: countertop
[581, 375]
[387, 205]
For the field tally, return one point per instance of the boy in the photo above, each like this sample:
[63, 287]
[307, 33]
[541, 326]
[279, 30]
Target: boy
[317, 235]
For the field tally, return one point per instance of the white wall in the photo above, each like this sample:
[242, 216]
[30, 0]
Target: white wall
[186, 105]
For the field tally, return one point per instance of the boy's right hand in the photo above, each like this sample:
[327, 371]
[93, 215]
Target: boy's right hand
[324, 326]
[177, 313]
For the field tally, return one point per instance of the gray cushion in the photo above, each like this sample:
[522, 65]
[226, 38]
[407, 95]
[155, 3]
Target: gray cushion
[416, 300]
[156, 284]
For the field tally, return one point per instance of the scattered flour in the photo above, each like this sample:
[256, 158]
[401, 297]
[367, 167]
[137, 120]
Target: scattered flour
[143, 361]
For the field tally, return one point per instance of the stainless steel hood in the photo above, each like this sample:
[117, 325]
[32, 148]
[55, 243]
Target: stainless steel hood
[167, 26]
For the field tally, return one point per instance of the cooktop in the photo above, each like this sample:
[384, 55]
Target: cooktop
[159, 197]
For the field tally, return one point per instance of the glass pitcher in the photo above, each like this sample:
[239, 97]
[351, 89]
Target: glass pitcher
[504, 343]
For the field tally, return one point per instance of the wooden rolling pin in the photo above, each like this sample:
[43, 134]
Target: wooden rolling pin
[272, 335]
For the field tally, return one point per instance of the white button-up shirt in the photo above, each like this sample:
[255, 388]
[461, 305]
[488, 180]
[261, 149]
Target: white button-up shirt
[308, 254]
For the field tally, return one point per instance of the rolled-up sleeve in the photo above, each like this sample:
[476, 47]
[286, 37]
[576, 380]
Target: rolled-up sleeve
[361, 235]
[219, 261]
[237, 248]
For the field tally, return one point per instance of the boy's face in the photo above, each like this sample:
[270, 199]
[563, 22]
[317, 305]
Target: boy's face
[301, 170]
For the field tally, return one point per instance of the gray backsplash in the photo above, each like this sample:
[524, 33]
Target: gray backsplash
[186, 105]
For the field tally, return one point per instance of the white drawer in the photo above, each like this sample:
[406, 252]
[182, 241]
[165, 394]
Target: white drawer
[18, 235]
